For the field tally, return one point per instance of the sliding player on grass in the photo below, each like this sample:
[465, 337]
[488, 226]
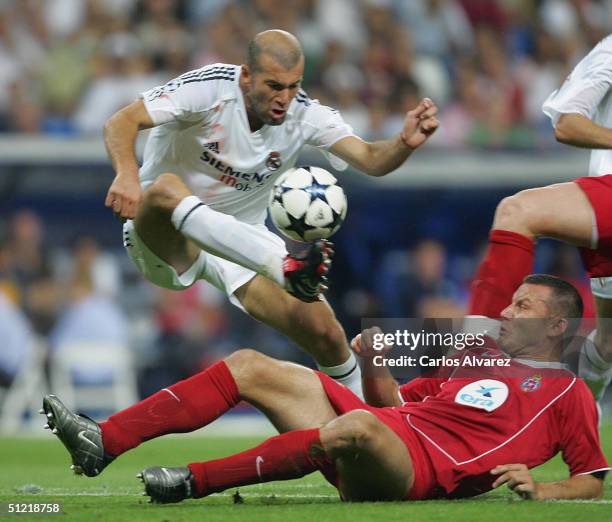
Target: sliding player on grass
[434, 437]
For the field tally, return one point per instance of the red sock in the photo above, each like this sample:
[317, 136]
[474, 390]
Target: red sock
[182, 407]
[287, 456]
[508, 261]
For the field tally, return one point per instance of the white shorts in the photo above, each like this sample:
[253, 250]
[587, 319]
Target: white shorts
[602, 287]
[593, 369]
[225, 275]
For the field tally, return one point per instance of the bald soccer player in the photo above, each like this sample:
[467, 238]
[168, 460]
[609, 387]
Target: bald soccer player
[195, 210]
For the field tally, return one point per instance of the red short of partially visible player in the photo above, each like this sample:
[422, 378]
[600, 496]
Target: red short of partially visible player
[343, 401]
[598, 189]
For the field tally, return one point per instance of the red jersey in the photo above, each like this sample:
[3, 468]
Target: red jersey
[482, 416]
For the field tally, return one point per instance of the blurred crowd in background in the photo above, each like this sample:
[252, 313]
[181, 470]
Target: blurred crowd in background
[81, 293]
[69, 64]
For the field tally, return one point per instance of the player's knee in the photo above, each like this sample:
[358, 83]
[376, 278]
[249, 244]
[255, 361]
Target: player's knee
[249, 368]
[351, 432]
[509, 212]
[166, 192]
[516, 213]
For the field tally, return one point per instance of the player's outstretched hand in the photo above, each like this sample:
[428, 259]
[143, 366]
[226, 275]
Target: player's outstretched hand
[420, 123]
[124, 197]
[364, 344]
[518, 478]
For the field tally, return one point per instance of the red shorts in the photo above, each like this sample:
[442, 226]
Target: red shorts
[598, 189]
[343, 400]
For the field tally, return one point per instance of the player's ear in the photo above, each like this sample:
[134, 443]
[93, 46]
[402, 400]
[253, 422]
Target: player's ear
[558, 326]
[245, 72]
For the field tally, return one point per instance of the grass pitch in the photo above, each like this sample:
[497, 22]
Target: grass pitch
[36, 470]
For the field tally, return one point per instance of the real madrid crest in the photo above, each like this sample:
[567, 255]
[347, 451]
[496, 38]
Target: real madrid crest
[274, 161]
[532, 383]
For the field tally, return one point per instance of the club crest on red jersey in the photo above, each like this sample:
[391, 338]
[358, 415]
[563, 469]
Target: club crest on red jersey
[531, 384]
[274, 161]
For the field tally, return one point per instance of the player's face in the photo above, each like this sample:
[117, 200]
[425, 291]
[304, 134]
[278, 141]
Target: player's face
[271, 89]
[526, 321]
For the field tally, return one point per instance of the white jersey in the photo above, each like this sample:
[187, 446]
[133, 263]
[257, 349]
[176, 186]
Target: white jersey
[588, 91]
[203, 135]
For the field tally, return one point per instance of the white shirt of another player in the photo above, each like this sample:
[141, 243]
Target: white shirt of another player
[588, 91]
[203, 136]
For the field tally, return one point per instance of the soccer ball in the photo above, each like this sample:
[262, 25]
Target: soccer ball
[307, 204]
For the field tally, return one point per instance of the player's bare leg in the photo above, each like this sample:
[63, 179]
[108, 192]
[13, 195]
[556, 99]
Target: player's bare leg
[154, 226]
[561, 211]
[290, 395]
[312, 326]
[372, 462]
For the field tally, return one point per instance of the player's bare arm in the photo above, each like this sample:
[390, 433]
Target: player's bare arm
[519, 479]
[579, 131]
[381, 157]
[379, 387]
[120, 133]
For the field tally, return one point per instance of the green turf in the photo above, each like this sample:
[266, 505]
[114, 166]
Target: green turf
[36, 470]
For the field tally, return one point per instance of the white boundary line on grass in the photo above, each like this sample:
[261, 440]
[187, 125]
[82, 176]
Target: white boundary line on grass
[238, 425]
[517, 499]
[317, 496]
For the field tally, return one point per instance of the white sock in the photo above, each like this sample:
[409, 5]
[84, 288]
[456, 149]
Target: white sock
[224, 236]
[347, 373]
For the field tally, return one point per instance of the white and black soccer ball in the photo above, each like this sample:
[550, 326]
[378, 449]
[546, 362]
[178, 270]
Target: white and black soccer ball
[307, 204]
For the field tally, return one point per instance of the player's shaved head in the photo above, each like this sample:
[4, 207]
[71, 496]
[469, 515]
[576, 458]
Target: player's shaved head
[282, 47]
[271, 77]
